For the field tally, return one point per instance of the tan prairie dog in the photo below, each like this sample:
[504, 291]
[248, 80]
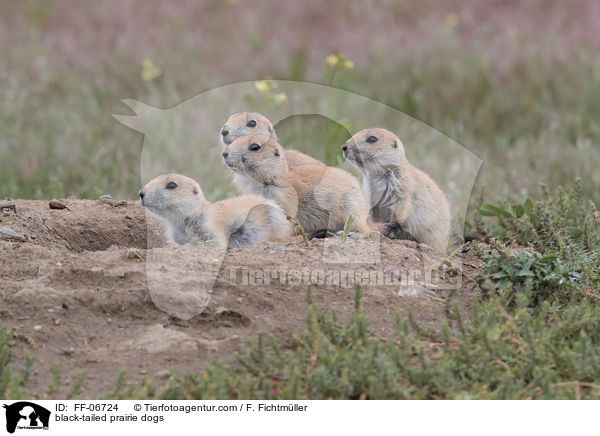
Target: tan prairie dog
[319, 196]
[398, 193]
[191, 218]
[253, 123]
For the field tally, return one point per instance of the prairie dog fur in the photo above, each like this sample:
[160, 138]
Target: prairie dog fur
[397, 191]
[253, 123]
[190, 218]
[320, 197]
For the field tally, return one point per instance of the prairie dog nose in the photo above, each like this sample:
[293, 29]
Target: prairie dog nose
[344, 147]
[141, 193]
[225, 153]
[224, 131]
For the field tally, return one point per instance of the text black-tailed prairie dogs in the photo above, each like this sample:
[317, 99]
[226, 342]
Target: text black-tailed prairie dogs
[398, 193]
[319, 196]
[191, 218]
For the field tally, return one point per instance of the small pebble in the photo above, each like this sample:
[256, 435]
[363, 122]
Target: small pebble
[339, 233]
[8, 206]
[355, 236]
[143, 372]
[51, 310]
[108, 320]
[163, 374]
[120, 326]
[11, 234]
[54, 204]
[68, 351]
[65, 305]
[280, 248]
[130, 225]
[57, 321]
[105, 197]
[239, 300]
[129, 217]
[37, 328]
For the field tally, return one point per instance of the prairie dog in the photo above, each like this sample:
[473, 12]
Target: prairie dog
[253, 123]
[191, 218]
[398, 193]
[320, 197]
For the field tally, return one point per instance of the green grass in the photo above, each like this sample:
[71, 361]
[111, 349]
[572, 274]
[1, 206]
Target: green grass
[495, 353]
[60, 139]
[530, 113]
[533, 332]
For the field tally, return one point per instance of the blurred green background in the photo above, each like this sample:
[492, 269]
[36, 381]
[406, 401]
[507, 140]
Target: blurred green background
[518, 83]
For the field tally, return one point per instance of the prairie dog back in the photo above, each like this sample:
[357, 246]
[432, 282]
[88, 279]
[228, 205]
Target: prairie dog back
[321, 197]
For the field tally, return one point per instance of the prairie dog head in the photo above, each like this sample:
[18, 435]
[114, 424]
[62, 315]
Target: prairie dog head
[372, 150]
[245, 124]
[258, 156]
[172, 196]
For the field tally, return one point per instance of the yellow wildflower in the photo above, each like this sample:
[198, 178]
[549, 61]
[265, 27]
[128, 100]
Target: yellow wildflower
[279, 98]
[349, 64]
[149, 70]
[261, 85]
[332, 60]
[451, 19]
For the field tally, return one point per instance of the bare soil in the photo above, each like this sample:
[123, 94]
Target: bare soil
[77, 293]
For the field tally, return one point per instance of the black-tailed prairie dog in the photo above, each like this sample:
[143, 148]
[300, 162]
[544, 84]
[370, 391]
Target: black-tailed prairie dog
[253, 123]
[398, 193]
[191, 218]
[320, 197]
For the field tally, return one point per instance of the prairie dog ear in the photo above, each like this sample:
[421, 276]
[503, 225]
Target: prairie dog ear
[395, 144]
[195, 190]
[277, 152]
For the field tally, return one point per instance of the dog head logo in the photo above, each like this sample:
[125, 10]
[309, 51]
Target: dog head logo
[26, 415]
[188, 139]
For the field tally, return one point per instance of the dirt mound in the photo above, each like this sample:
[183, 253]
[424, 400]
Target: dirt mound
[81, 225]
[82, 289]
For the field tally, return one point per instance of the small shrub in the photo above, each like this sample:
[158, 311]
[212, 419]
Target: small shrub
[564, 230]
[543, 277]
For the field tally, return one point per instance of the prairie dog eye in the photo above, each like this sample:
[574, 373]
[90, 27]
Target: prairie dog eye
[254, 147]
[171, 185]
[371, 139]
[251, 123]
